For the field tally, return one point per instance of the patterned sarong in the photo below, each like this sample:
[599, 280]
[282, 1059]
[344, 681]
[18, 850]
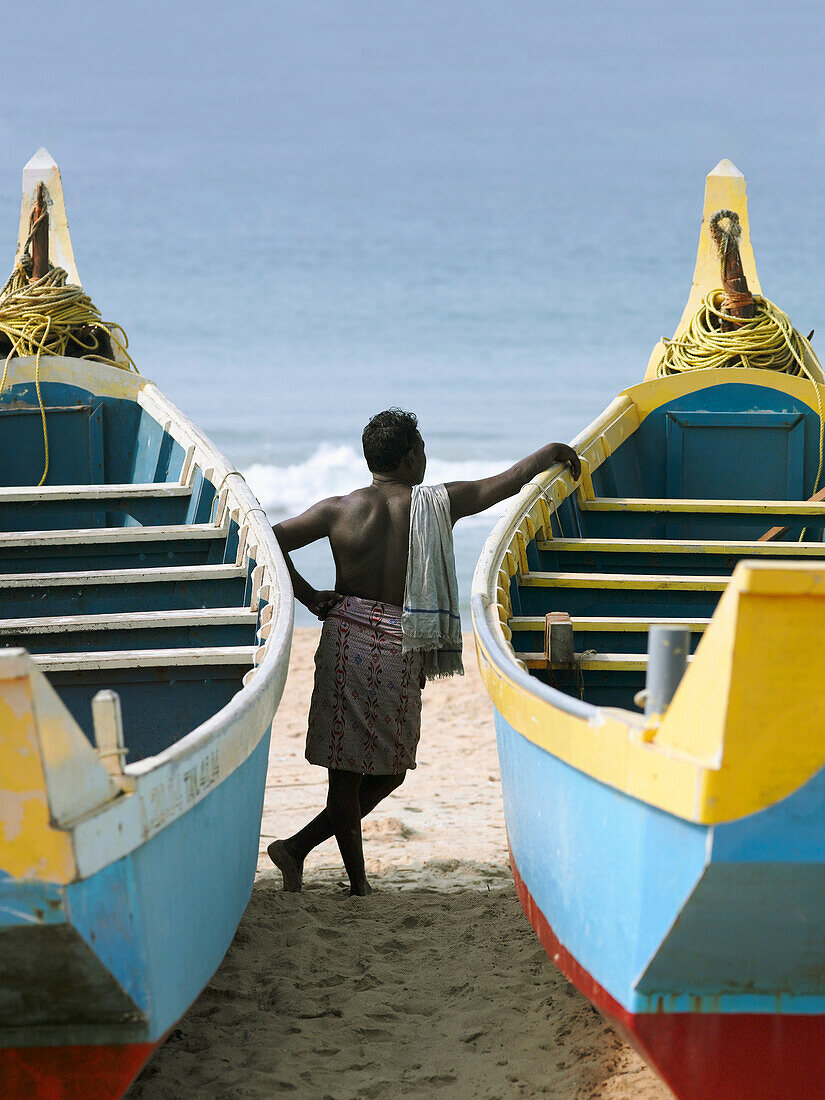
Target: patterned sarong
[365, 714]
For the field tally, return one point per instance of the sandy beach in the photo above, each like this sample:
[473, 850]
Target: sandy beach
[433, 986]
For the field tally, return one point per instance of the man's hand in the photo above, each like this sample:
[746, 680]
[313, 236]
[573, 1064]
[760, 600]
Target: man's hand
[568, 455]
[321, 603]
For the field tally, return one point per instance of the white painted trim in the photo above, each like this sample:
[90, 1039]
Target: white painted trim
[144, 658]
[170, 573]
[112, 536]
[16, 494]
[131, 620]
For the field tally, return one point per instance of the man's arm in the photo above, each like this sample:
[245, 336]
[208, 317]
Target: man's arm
[300, 531]
[469, 497]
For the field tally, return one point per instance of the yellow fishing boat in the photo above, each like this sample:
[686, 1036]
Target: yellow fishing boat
[672, 862]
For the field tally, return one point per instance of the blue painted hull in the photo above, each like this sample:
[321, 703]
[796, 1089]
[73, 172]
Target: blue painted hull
[152, 927]
[663, 912]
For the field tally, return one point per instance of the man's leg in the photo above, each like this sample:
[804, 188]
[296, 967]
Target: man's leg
[289, 855]
[344, 812]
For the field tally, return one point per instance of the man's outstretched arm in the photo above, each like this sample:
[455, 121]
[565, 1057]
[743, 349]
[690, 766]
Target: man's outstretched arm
[300, 531]
[469, 497]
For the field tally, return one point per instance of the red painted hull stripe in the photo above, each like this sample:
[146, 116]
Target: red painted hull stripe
[705, 1056]
[71, 1072]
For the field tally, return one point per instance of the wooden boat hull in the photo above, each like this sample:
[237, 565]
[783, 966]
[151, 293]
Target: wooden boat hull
[735, 1055]
[634, 904]
[131, 945]
[72, 1072]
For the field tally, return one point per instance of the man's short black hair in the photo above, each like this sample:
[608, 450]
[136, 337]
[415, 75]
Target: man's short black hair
[387, 438]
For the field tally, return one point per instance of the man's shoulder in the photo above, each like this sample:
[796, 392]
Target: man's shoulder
[358, 500]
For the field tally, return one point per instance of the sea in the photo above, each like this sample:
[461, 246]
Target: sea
[487, 213]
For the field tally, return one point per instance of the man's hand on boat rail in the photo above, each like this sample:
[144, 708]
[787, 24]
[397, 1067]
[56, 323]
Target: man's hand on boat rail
[568, 455]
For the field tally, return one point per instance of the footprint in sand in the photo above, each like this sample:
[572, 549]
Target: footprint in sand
[387, 828]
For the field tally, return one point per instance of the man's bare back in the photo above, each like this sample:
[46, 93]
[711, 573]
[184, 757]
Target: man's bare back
[369, 535]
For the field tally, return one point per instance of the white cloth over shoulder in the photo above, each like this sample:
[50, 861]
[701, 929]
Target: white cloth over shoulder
[430, 621]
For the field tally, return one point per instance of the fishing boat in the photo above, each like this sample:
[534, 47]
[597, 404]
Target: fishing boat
[145, 624]
[672, 859]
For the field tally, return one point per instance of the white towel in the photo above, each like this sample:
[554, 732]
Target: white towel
[430, 621]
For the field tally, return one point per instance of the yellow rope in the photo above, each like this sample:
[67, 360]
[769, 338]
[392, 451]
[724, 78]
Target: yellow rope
[44, 318]
[767, 341]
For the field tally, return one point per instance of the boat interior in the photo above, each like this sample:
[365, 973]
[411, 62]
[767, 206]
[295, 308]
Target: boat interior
[125, 569]
[669, 501]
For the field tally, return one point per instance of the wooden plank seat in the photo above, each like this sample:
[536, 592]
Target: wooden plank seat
[663, 556]
[29, 494]
[186, 628]
[116, 547]
[102, 505]
[603, 633]
[637, 581]
[132, 620]
[606, 622]
[763, 508]
[594, 662]
[200, 657]
[97, 536]
[103, 591]
[684, 518]
[618, 594]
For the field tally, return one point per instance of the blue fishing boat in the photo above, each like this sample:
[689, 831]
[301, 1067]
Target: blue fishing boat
[145, 620]
[672, 862]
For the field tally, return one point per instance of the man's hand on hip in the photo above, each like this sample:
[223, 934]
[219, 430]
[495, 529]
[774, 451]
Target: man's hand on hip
[321, 603]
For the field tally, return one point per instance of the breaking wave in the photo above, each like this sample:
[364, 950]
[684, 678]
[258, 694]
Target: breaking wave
[331, 471]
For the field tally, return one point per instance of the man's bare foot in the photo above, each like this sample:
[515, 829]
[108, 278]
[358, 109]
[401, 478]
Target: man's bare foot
[290, 867]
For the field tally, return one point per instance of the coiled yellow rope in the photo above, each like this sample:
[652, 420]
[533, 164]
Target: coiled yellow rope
[767, 341]
[44, 318]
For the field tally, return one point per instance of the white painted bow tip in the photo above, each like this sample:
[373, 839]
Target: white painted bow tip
[42, 161]
[726, 167]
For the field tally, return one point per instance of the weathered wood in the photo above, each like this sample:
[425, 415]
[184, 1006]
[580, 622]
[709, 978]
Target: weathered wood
[595, 662]
[108, 726]
[23, 494]
[43, 169]
[39, 234]
[685, 546]
[678, 504]
[558, 639]
[111, 536]
[738, 298]
[144, 658]
[174, 573]
[775, 532]
[676, 582]
[131, 620]
[616, 623]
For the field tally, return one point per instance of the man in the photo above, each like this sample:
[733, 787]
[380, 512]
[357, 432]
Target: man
[365, 714]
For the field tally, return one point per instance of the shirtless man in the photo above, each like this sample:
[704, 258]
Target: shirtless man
[369, 532]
